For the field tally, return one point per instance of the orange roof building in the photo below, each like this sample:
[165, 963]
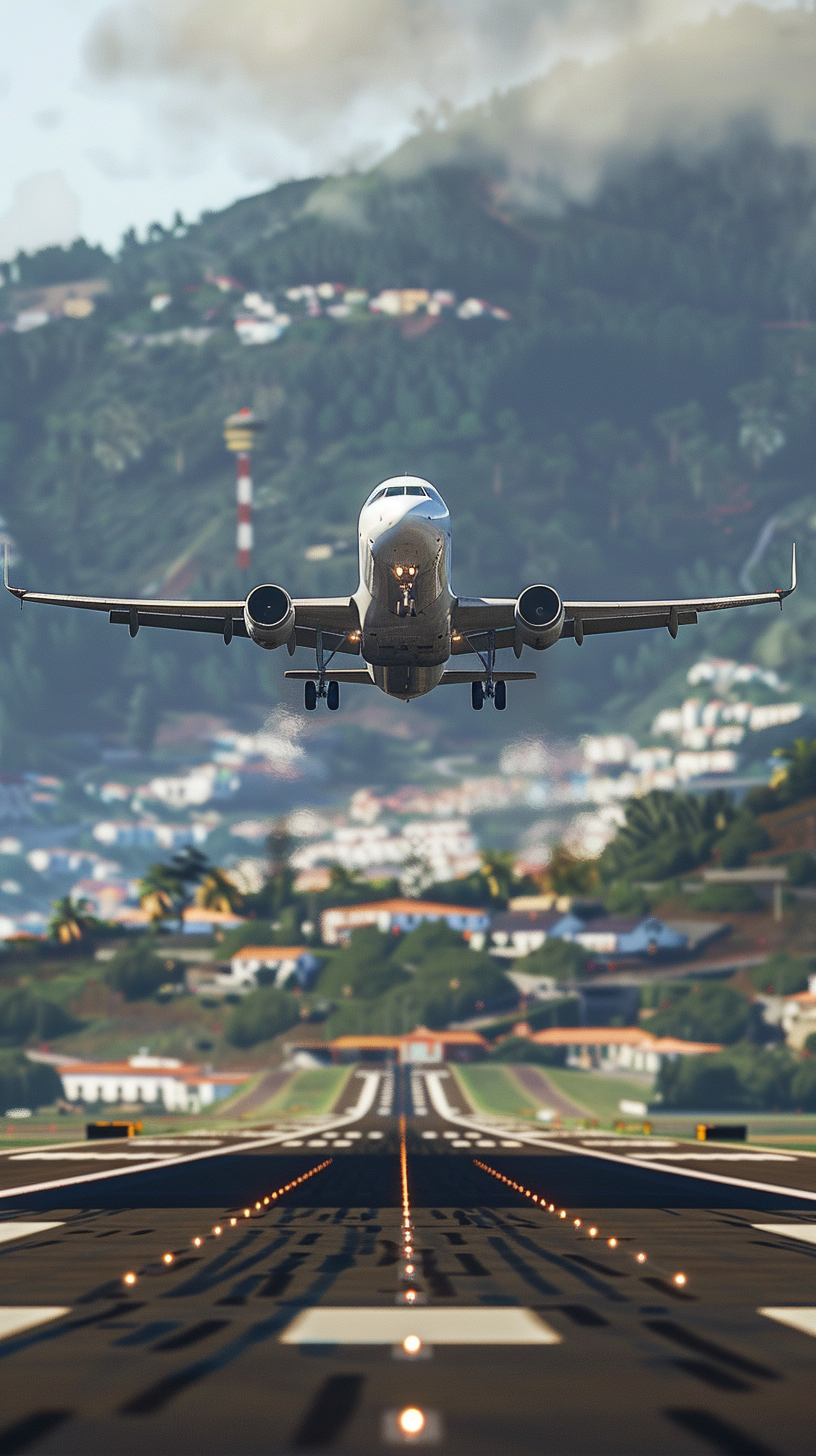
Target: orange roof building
[624, 1048]
[339, 922]
[416, 1047]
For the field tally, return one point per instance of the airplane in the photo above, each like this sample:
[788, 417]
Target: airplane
[404, 620]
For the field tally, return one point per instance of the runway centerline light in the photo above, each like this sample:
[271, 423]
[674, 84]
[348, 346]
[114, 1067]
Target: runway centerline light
[233, 1222]
[168, 1259]
[217, 1229]
[613, 1243]
[576, 1222]
[411, 1421]
[197, 1243]
[680, 1279]
[129, 1279]
[412, 1344]
[641, 1258]
[410, 1296]
[593, 1233]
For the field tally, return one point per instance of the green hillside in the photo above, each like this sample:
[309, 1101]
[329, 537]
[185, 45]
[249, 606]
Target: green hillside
[629, 431]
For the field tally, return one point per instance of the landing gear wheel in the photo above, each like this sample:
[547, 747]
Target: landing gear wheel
[333, 696]
[476, 695]
[500, 696]
[310, 696]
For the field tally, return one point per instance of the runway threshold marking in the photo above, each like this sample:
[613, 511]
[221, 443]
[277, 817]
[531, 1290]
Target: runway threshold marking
[361, 1107]
[355, 1325]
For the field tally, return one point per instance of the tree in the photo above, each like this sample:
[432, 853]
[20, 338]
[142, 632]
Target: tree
[166, 888]
[26, 1084]
[70, 921]
[137, 971]
[705, 1012]
[260, 1016]
[217, 892]
[25, 1014]
[562, 959]
[782, 975]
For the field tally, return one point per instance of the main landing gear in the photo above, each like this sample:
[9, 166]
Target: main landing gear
[331, 692]
[479, 691]
[489, 688]
[321, 689]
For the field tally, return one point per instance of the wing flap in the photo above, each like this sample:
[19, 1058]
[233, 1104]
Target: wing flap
[593, 626]
[183, 624]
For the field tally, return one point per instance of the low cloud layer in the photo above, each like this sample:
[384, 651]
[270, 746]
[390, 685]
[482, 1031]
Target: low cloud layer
[336, 82]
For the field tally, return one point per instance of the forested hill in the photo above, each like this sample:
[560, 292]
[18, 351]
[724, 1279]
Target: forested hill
[629, 430]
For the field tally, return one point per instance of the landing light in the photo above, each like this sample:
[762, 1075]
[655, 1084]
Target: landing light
[411, 1421]
[412, 1344]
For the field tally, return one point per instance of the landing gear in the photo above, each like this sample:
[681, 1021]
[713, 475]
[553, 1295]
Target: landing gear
[500, 696]
[333, 697]
[310, 696]
[489, 688]
[477, 696]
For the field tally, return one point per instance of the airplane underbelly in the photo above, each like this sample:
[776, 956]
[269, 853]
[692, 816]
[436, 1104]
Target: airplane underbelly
[408, 682]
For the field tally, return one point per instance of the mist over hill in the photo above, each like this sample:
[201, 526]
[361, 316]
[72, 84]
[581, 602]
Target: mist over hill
[645, 417]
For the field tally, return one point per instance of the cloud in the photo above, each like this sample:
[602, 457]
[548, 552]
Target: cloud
[331, 80]
[44, 210]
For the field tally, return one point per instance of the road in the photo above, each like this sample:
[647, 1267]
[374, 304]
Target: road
[250, 1326]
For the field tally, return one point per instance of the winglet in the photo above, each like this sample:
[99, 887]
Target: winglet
[792, 588]
[16, 591]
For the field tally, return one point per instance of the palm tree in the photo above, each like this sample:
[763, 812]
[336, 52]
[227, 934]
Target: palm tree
[70, 921]
[218, 892]
[161, 892]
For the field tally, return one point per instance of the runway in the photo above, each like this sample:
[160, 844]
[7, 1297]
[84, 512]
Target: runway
[239, 1293]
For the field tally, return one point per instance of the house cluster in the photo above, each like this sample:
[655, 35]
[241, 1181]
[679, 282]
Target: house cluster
[446, 849]
[624, 1049]
[721, 719]
[261, 321]
[30, 308]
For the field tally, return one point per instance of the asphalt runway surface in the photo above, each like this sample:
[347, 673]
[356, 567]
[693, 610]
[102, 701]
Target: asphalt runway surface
[233, 1294]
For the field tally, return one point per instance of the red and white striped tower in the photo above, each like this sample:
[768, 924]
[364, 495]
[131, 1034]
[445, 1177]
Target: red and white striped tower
[239, 435]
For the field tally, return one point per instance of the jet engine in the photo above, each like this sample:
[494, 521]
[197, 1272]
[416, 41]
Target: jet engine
[539, 617]
[269, 616]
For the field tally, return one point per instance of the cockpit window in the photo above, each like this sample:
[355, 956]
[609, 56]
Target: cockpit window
[395, 490]
[378, 496]
[415, 490]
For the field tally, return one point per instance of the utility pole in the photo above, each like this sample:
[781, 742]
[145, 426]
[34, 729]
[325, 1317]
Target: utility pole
[240, 430]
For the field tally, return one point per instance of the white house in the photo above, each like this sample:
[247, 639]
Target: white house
[180, 1087]
[287, 961]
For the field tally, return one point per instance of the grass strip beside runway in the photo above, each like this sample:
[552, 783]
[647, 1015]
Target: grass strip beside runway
[314, 1090]
[600, 1095]
[495, 1089]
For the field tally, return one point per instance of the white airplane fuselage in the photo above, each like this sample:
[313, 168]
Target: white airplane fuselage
[404, 599]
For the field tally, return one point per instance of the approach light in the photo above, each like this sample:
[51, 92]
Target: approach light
[412, 1344]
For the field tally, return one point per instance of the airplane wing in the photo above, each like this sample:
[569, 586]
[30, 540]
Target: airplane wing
[474, 618]
[334, 616]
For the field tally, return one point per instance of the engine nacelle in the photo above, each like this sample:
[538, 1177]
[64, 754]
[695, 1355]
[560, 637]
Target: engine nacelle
[269, 616]
[539, 617]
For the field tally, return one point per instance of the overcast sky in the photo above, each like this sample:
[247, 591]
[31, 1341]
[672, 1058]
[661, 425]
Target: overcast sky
[114, 113]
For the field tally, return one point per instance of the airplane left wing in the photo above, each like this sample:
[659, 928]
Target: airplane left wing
[335, 617]
[474, 618]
